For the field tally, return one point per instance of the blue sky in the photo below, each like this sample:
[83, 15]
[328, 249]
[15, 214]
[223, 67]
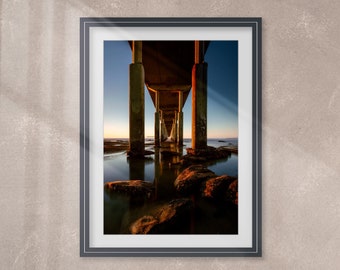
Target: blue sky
[222, 59]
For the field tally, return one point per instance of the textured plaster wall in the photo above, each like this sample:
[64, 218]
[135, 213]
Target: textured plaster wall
[39, 141]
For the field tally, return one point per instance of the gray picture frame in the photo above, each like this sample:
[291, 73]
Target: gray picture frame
[256, 249]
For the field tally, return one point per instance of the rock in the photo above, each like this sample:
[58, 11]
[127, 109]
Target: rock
[230, 148]
[222, 152]
[189, 160]
[216, 188]
[232, 192]
[169, 218]
[174, 208]
[201, 152]
[204, 155]
[136, 188]
[143, 225]
[189, 180]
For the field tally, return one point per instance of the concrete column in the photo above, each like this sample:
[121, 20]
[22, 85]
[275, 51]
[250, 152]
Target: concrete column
[174, 127]
[164, 133]
[199, 52]
[157, 129]
[136, 101]
[137, 51]
[172, 132]
[180, 128]
[180, 118]
[199, 99]
[157, 119]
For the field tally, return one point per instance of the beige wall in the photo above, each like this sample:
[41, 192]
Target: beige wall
[39, 141]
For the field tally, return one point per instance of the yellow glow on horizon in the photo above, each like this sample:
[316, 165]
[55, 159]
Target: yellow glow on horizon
[120, 133]
[121, 130]
[116, 131]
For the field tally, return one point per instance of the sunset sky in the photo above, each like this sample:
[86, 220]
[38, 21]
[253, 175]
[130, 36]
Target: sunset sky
[222, 59]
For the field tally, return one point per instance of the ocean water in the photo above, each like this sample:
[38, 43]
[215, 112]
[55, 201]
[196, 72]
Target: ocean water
[118, 167]
[162, 171]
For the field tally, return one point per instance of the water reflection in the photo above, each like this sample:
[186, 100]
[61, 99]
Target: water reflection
[137, 167]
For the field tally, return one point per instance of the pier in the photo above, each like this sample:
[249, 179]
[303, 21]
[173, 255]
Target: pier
[169, 69]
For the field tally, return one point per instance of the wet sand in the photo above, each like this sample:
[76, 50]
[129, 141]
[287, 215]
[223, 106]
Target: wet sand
[115, 146]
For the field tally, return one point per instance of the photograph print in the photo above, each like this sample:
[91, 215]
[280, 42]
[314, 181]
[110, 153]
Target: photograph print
[170, 137]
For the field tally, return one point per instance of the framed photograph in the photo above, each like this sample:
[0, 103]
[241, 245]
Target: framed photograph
[170, 137]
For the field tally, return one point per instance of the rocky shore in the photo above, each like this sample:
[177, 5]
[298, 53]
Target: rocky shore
[199, 195]
[200, 181]
[193, 184]
[200, 156]
[171, 217]
[115, 146]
